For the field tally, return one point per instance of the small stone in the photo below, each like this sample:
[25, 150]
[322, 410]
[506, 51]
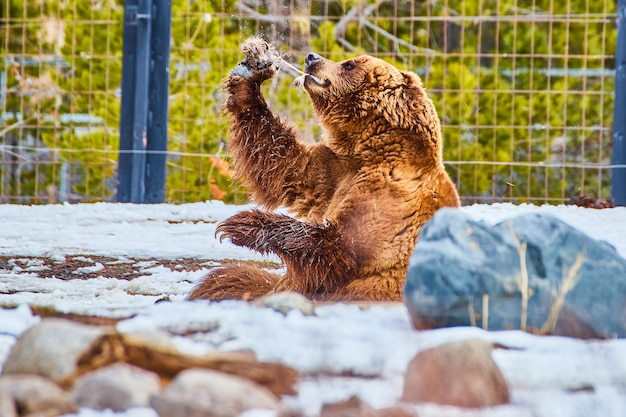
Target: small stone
[352, 407]
[51, 348]
[206, 393]
[117, 387]
[35, 395]
[7, 405]
[355, 407]
[285, 301]
[461, 374]
[396, 411]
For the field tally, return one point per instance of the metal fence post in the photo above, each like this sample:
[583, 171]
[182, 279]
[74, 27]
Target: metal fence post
[145, 89]
[618, 181]
[133, 132]
[158, 100]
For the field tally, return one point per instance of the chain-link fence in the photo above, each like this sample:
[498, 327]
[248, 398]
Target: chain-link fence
[524, 89]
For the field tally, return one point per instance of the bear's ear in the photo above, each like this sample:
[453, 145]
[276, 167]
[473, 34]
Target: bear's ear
[405, 107]
[411, 79]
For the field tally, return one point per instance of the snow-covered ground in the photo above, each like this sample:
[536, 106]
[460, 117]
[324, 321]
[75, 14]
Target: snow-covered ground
[548, 376]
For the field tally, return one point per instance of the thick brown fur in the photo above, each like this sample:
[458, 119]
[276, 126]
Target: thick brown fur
[359, 199]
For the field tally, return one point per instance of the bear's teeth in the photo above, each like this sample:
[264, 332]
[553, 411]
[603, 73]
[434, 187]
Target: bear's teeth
[322, 82]
[298, 82]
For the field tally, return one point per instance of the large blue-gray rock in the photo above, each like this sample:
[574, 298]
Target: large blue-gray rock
[462, 269]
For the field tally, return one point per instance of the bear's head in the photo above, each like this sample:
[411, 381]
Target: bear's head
[367, 92]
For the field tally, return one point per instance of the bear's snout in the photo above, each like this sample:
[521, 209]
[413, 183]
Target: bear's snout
[312, 58]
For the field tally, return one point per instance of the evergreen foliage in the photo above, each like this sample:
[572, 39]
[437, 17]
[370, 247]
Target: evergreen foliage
[517, 89]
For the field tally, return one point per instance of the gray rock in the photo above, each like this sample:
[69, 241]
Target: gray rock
[36, 395]
[462, 374]
[117, 387]
[51, 348]
[285, 301]
[461, 269]
[206, 393]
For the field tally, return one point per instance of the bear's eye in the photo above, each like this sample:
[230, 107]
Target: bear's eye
[348, 65]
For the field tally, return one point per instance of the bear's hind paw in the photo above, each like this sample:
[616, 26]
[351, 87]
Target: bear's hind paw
[246, 228]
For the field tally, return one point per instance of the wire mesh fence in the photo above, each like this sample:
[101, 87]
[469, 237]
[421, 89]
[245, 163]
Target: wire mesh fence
[524, 90]
[59, 94]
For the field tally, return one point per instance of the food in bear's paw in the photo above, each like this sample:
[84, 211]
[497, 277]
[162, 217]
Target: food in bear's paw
[260, 54]
[241, 71]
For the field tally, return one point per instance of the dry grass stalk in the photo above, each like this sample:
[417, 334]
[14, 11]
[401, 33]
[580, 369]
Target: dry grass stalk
[570, 280]
[523, 284]
[472, 313]
[522, 280]
[485, 311]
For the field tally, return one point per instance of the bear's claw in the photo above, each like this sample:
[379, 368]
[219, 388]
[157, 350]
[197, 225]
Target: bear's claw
[246, 228]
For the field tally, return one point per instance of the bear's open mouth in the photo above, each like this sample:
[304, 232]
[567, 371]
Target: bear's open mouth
[319, 82]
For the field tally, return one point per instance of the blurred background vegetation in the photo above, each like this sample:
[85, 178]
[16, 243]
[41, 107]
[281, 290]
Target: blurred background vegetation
[524, 89]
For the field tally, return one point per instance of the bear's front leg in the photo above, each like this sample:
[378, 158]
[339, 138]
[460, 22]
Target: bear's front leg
[277, 169]
[318, 256]
[266, 153]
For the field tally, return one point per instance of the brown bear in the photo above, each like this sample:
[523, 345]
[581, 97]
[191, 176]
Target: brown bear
[359, 199]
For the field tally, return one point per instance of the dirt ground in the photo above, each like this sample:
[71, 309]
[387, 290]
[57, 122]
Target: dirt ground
[89, 266]
[85, 267]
